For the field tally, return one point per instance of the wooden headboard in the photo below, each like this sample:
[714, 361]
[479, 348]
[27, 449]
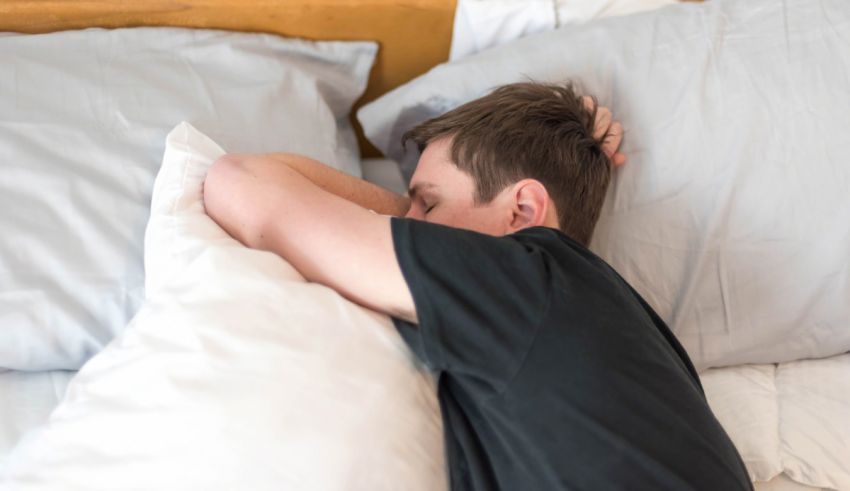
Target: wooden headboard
[414, 35]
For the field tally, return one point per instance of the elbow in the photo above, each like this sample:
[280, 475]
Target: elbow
[219, 171]
[226, 197]
[215, 188]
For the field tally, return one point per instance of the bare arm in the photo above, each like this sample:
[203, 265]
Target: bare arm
[317, 218]
[363, 193]
[267, 204]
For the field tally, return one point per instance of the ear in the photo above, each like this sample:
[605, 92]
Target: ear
[529, 205]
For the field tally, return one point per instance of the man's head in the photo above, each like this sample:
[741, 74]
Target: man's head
[521, 156]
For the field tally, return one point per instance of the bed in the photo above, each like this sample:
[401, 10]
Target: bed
[784, 398]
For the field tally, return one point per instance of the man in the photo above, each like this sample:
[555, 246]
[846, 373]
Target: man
[553, 372]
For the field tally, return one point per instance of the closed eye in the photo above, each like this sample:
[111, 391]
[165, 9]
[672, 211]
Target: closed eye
[429, 209]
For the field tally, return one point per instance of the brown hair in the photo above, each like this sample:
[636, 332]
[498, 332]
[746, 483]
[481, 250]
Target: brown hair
[529, 130]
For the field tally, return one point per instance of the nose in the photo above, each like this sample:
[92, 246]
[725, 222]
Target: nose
[413, 213]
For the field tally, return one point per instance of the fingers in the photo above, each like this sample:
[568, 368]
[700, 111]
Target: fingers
[613, 138]
[602, 120]
[602, 123]
[607, 131]
[588, 103]
[618, 159]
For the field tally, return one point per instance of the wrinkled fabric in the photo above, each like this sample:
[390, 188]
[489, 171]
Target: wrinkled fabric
[789, 418]
[236, 374]
[731, 216]
[83, 118]
[483, 24]
[26, 401]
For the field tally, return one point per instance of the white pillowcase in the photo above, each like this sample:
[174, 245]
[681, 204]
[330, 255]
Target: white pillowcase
[236, 374]
[731, 216]
[578, 11]
[482, 24]
[83, 118]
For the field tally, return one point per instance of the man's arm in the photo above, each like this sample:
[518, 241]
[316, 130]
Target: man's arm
[359, 191]
[266, 203]
[317, 218]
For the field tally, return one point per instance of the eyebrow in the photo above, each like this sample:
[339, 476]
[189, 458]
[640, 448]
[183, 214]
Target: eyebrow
[418, 188]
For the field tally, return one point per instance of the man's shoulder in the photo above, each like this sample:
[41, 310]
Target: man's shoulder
[560, 248]
[560, 245]
[548, 234]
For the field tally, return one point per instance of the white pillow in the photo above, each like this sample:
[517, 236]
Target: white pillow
[731, 216]
[482, 24]
[83, 118]
[236, 374]
[578, 11]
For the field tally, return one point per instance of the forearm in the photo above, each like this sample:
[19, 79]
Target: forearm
[246, 193]
[330, 240]
[358, 191]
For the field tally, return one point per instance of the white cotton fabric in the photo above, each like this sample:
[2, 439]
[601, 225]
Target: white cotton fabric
[784, 483]
[579, 11]
[482, 24]
[236, 374]
[743, 398]
[83, 118]
[731, 216]
[814, 429]
[789, 421]
[26, 401]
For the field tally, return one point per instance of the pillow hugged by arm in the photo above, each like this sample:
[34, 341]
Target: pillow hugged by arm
[319, 219]
[323, 228]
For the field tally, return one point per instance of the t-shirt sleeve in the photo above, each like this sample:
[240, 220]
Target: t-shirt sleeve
[479, 299]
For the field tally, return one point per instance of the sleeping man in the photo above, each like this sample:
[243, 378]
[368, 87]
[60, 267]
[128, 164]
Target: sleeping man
[553, 372]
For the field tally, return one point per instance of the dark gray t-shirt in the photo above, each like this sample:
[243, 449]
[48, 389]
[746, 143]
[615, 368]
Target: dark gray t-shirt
[553, 372]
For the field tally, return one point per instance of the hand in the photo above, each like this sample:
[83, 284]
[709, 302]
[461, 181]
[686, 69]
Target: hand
[608, 131]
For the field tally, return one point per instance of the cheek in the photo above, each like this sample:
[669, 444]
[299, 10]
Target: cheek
[479, 219]
[450, 213]
[487, 221]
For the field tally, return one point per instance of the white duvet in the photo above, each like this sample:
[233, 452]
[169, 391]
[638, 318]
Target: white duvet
[791, 418]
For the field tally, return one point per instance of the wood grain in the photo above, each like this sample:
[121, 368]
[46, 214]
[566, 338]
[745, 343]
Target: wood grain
[414, 35]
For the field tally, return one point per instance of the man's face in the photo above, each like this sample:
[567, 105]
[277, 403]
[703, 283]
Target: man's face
[441, 193]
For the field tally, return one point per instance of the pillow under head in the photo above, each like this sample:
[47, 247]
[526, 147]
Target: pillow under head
[731, 216]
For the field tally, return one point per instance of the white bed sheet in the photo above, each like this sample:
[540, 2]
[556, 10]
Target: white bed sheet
[783, 483]
[26, 400]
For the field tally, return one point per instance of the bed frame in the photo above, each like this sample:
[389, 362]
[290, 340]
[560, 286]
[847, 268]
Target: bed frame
[414, 35]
